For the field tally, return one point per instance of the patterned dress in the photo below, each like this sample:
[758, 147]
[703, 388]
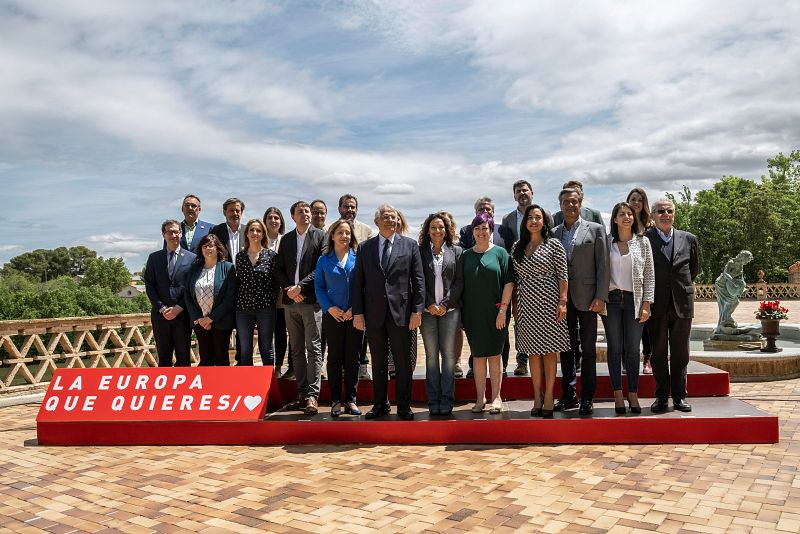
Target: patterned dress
[537, 277]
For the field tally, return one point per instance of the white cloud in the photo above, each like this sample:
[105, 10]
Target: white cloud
[120, 245]
[394, 189]
[6, 248]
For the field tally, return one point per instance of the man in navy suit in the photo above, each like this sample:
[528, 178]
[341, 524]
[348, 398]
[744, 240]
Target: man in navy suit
[192, 229]
[164, 280]
[388, 300]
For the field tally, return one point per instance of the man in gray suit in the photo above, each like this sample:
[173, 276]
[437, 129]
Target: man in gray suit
[677, 263]
[587, 213]
[587, 263]
[523, 195]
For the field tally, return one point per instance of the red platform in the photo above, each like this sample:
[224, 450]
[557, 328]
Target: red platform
[703, 381]
[713, 420]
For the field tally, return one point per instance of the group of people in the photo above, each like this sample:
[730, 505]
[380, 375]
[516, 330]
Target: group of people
[340, 286]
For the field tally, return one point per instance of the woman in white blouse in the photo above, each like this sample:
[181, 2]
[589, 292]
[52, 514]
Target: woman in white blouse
[631, 288]
[444, 281]
[211, 301]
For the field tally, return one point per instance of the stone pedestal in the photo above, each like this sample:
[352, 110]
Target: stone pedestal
[733, 344]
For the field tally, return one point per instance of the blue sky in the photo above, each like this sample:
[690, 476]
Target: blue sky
[112, 111]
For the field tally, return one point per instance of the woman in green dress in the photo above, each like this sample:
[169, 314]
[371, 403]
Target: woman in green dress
[488, 284]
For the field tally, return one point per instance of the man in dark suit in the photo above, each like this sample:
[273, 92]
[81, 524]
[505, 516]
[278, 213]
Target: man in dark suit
[587, 213]
[588, 268]
[388, 299]
[192, 228]
[164, 280]
[523, 196]
[294, 270]
[677, 263]
[231, 232]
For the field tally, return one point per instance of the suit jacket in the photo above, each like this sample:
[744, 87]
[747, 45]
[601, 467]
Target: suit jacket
[221, 231]
[502, 237]
[587, 214]
[452, 276]
[286, 263]
[588, 268]
[674, 279]
[223, 312]
[510, 222]
[201, 230]
[401, 288]
[160, 289]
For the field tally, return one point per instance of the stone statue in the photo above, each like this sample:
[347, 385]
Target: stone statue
[730, 287]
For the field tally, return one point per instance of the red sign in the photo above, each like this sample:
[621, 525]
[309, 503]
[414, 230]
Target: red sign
[157, 394]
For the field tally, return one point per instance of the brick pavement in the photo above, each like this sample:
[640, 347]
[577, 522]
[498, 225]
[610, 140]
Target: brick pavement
[700, 488]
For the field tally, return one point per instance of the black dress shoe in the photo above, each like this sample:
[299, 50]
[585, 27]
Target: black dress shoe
[446, 411]
[587, 408]
[681, 405]
[659, 405]
[406, 415]
[378, 410]
[565, 404]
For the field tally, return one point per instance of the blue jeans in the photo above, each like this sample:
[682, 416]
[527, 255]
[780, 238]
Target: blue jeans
[439, 337]
[246, 321]
[623, 334]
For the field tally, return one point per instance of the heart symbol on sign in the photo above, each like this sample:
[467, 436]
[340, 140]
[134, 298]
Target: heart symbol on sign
[251, 401]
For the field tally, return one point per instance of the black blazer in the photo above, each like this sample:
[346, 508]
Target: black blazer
[160, 289]
[286, 262]
[467, 240]
[221, 231]
[223, 312]
[675, 279]
[452, 276]
[401, 288]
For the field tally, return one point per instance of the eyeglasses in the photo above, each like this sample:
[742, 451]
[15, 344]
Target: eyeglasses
[191, 206]
[663, 211]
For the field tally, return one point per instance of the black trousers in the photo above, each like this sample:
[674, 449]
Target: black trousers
[582, 327]
[344, 342]
[281, 343]
[172, 336]
[213, 346]
[669, 335]
[381, 337]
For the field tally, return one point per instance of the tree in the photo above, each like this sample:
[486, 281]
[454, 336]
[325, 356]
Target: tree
[41, 265]
[110, 273]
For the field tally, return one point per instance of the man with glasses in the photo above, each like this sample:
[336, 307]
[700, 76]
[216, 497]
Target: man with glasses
[319, 212]
[677, 263]
[164, 281]
[192, 228]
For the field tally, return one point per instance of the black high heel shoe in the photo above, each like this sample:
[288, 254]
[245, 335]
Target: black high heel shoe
[633, 403]
[547, 413]
[336, 409]
[351, 409]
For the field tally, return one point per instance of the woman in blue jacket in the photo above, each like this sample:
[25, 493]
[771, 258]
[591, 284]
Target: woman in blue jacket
[332, 281]
[211, 301]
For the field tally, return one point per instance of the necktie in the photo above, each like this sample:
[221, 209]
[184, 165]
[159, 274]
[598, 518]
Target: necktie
[171, 268]
[385, 256]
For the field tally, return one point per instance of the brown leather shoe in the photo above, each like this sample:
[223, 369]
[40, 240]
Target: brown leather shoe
[312, 408]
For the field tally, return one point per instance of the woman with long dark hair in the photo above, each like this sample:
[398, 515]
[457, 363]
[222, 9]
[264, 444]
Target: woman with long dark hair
[444, 281]
[630, 293]
[276, 227]
[637, 198]
[211, 301]
[540, 329]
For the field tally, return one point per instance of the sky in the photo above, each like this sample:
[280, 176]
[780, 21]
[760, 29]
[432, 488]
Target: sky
[112, 111]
